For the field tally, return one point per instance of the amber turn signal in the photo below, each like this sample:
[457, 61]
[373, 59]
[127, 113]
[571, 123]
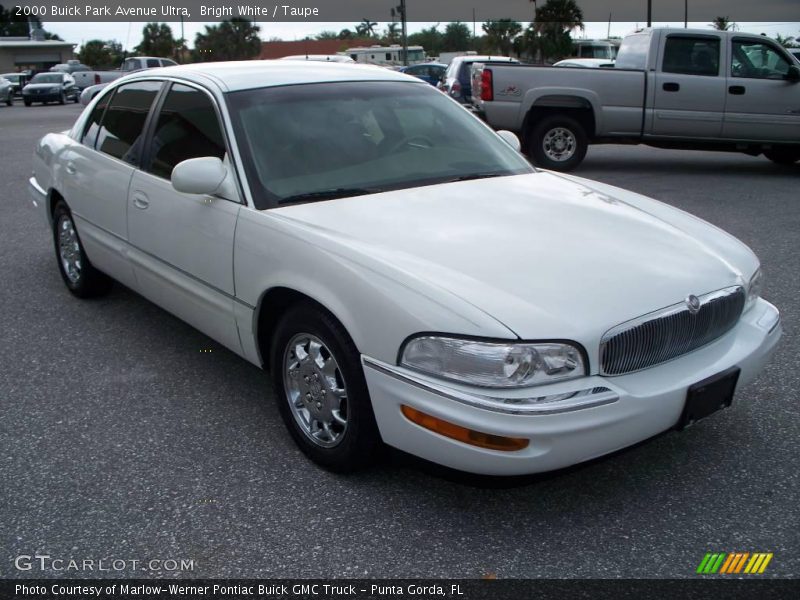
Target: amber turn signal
[462, 434]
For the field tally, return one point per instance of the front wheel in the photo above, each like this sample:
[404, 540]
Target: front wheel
[558, 143]
[27, 102]
[321, 391]
[10, 99]
[81, 278]
[783, 156]
[62, 99]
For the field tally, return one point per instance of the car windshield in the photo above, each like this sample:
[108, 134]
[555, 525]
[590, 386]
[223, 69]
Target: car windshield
[47, 78]
[11, 77]
[311, 142]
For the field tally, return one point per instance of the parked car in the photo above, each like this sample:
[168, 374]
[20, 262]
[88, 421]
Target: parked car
[457, 80]
[400, 269]
[430, 72]
[18, 81]
[339, 58]
[795, 52]
[86, 78]
[6, 91]
[71, 67]
[695, 89]
[50, 87]
[131, 65]
[585, 63]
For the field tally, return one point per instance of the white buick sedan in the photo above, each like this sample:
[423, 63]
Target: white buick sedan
[403, 273]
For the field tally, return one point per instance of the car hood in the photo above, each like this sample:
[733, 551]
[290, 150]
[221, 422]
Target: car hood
[549, 257]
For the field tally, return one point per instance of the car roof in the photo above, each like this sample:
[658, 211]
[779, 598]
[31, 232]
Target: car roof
[251, 74]
[484, 57]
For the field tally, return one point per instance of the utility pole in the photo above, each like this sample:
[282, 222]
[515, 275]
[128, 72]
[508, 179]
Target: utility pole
[686, 14]
[608, 35]
[649, 13]
[402, 9]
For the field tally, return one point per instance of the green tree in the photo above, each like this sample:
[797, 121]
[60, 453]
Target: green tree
[327, 35]
[102, 54]
[456, 37]
[723, 24]
[549, 35]
[786, 42]
[500, 35]
[157, 40]
[366, 28]
[392, 34]
[234, 39]
[430, 39]
[346, 34]
[13, 26]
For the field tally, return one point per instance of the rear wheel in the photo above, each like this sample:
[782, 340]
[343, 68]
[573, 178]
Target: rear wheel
[321, 391]
[558, 143]
[81, 278]
[783, 156]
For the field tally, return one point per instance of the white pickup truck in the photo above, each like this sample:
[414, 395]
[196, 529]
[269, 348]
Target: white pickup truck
[670, 88]
[85, 77]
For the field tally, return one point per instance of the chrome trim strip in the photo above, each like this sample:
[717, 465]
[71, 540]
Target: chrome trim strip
[545, 405]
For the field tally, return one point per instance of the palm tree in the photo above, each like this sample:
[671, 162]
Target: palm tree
[366, 27]
[723, 24]
[786, 42]
[392, 33]
[500, 34]
[551, 29]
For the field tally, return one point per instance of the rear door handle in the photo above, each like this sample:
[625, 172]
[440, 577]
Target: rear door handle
[140, 201]
[671, 87]
[737, 90]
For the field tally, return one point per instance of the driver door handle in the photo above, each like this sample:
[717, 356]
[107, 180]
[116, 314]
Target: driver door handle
[70, 168]
[140, 201]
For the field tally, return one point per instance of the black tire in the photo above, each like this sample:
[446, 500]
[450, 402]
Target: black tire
[76, 98]
[27, 102]
[783, 156]
[10, 99]
[575, 140]
[62, 99]
[89, 282]
[360, 444]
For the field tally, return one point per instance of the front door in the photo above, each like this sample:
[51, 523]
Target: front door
[763, 105]
[182, 244]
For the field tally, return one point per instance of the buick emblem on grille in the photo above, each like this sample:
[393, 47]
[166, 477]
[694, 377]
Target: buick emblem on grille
[693, 304]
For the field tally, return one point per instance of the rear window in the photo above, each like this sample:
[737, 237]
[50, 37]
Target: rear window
[121, 133]
[691, 55]
[633, 52]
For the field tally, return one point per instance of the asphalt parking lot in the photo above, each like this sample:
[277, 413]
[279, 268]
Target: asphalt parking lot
[126, 434]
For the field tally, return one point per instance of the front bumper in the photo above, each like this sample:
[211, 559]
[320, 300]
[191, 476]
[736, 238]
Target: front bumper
[632, 408]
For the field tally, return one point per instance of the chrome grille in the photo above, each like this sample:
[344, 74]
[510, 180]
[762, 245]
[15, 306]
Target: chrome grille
[670, 332]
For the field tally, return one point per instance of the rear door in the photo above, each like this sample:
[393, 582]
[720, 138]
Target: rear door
[99, 171]
[183, 243]
[689, 93]
[762, 105]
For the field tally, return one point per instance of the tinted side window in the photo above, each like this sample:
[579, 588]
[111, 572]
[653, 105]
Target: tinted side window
[123, 124]
[691, 56]
[153, 63]
[93, 124]
[187, 128]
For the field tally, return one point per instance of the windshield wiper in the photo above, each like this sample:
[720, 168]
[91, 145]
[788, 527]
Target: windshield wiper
[331, 194]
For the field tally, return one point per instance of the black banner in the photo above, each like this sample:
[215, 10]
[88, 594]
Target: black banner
[393, 589]
[380, 10]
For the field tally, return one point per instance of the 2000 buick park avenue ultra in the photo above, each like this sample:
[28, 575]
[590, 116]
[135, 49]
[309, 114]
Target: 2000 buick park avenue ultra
[403, 273]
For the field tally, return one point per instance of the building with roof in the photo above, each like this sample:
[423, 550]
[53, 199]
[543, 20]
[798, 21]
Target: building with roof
[271, 50]
[21, 53]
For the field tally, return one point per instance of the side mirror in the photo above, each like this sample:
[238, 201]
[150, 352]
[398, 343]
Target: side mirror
[793, 74]
[510, 138]
[207, 175]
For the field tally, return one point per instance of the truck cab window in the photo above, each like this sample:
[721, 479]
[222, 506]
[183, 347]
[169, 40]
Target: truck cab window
[692, 56]
[757, 60]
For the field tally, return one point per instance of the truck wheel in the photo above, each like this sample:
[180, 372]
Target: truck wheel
[82, 279]
[321, 391]
[558, 143]
[783, 156]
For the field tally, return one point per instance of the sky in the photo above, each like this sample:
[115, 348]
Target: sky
[130, 33]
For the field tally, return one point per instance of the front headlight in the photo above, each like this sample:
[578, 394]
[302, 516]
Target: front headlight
[754, 288]
[493, 364]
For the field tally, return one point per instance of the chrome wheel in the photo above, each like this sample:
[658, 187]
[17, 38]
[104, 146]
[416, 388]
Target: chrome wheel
[559, 144]
[69, 249]
[315, 389]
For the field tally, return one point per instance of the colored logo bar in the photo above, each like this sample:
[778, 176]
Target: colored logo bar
[732, 563]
